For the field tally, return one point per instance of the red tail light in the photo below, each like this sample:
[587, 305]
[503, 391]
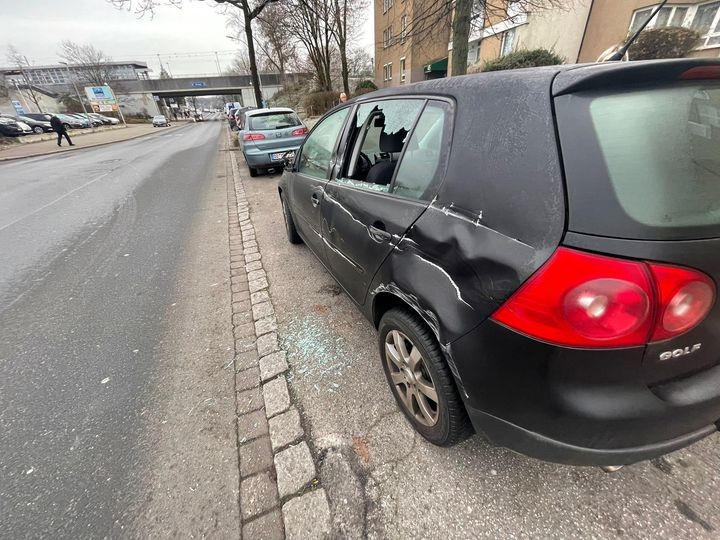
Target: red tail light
[301, 131]
[685, 298]
[253, 137]
[585, 300]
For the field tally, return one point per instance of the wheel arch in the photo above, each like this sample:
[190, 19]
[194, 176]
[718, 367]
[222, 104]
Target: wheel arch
[385, 300]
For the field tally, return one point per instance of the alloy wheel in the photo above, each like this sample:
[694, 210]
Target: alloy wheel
[411, 379]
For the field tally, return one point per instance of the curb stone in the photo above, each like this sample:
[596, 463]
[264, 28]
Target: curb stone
[279, 493]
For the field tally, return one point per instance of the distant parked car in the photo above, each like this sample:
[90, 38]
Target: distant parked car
[86, 117]
[105, 120]
[43, 117]
[38, 126]
[239, 116]
[160, 121]
[13, 128]
[70, 121]
[268, 135]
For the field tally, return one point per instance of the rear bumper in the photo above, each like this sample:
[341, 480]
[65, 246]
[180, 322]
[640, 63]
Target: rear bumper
[574, 406]
[532, 444]
[263, 158]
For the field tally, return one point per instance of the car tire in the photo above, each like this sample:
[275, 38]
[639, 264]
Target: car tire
[417, 374]
[253, 171]
[292, 234]
[66, 126]
[38, 130]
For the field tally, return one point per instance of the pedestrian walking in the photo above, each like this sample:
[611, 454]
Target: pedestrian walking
[59, 127]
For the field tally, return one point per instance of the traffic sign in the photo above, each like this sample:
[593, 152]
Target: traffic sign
[199, 84]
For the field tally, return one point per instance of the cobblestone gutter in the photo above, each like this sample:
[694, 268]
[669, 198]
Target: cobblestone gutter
[280, 494]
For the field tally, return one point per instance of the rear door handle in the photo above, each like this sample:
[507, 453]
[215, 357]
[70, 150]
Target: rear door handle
[378, 232]
[315, 198]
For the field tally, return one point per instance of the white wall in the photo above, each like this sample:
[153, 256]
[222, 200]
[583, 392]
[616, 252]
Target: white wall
[558, 29]
[134, 104]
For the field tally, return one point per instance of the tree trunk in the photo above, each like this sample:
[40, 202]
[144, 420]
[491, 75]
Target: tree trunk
[253, 62]
[460, 36]
[341, 29]
[344, 70]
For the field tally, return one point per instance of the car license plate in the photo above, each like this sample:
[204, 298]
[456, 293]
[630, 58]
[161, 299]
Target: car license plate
[277, 156]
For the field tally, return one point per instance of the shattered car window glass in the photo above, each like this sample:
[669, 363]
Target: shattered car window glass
[399, 113]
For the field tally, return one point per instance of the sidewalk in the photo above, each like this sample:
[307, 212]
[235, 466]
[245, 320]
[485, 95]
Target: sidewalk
[87, 139]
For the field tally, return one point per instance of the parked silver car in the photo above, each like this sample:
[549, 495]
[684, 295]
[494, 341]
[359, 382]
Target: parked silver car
[268, 134]
[160, 121]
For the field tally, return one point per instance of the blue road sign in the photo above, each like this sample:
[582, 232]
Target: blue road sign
[199, 84]
[18, 107]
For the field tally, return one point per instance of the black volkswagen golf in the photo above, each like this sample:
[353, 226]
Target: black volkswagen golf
[538, 249]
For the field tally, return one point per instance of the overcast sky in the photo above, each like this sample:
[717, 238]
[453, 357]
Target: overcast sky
[185, 38]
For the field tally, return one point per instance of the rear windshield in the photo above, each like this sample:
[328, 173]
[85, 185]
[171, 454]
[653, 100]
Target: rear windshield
[276, 120]
[643, 163]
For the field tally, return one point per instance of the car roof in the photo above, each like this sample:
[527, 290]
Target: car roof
[564, 78]
[253, 112]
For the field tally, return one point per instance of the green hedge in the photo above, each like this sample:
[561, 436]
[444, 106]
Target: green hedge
[523, 59]
[668, 42]
[367, 85]
[318, 103]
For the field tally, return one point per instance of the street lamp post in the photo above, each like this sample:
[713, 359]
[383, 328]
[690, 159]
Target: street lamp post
[77, 93]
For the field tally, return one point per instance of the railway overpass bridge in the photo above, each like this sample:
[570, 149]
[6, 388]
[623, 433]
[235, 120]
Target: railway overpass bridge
[207, 85]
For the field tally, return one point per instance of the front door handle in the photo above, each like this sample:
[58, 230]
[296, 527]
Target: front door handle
[378, 232]
[315, 199]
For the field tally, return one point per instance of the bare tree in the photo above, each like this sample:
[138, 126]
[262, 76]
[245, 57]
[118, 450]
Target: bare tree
[250, 9]
[311, 22]
[275, 41]
[360, 63]
[346, 18]
[19, 60]
[466, 14]
[240, 65]
[92, 65]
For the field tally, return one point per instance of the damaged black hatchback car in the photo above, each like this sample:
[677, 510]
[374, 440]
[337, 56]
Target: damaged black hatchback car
[538, 249]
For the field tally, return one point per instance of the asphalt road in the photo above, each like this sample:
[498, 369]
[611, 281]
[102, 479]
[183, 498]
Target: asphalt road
[116, 416]
[384, 481]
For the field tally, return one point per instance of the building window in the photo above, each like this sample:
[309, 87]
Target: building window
[403, 28]
[387, 72]
[402, 69]
[508, 42]
[704, 18]
[667, 16]
[387, 4]
[707, 22]
[387, 37]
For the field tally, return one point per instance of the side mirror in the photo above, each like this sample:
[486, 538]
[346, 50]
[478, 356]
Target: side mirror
[289, 159]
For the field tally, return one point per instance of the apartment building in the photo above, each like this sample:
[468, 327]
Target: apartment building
[582, 30]
[411, 39]
[610, 21]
